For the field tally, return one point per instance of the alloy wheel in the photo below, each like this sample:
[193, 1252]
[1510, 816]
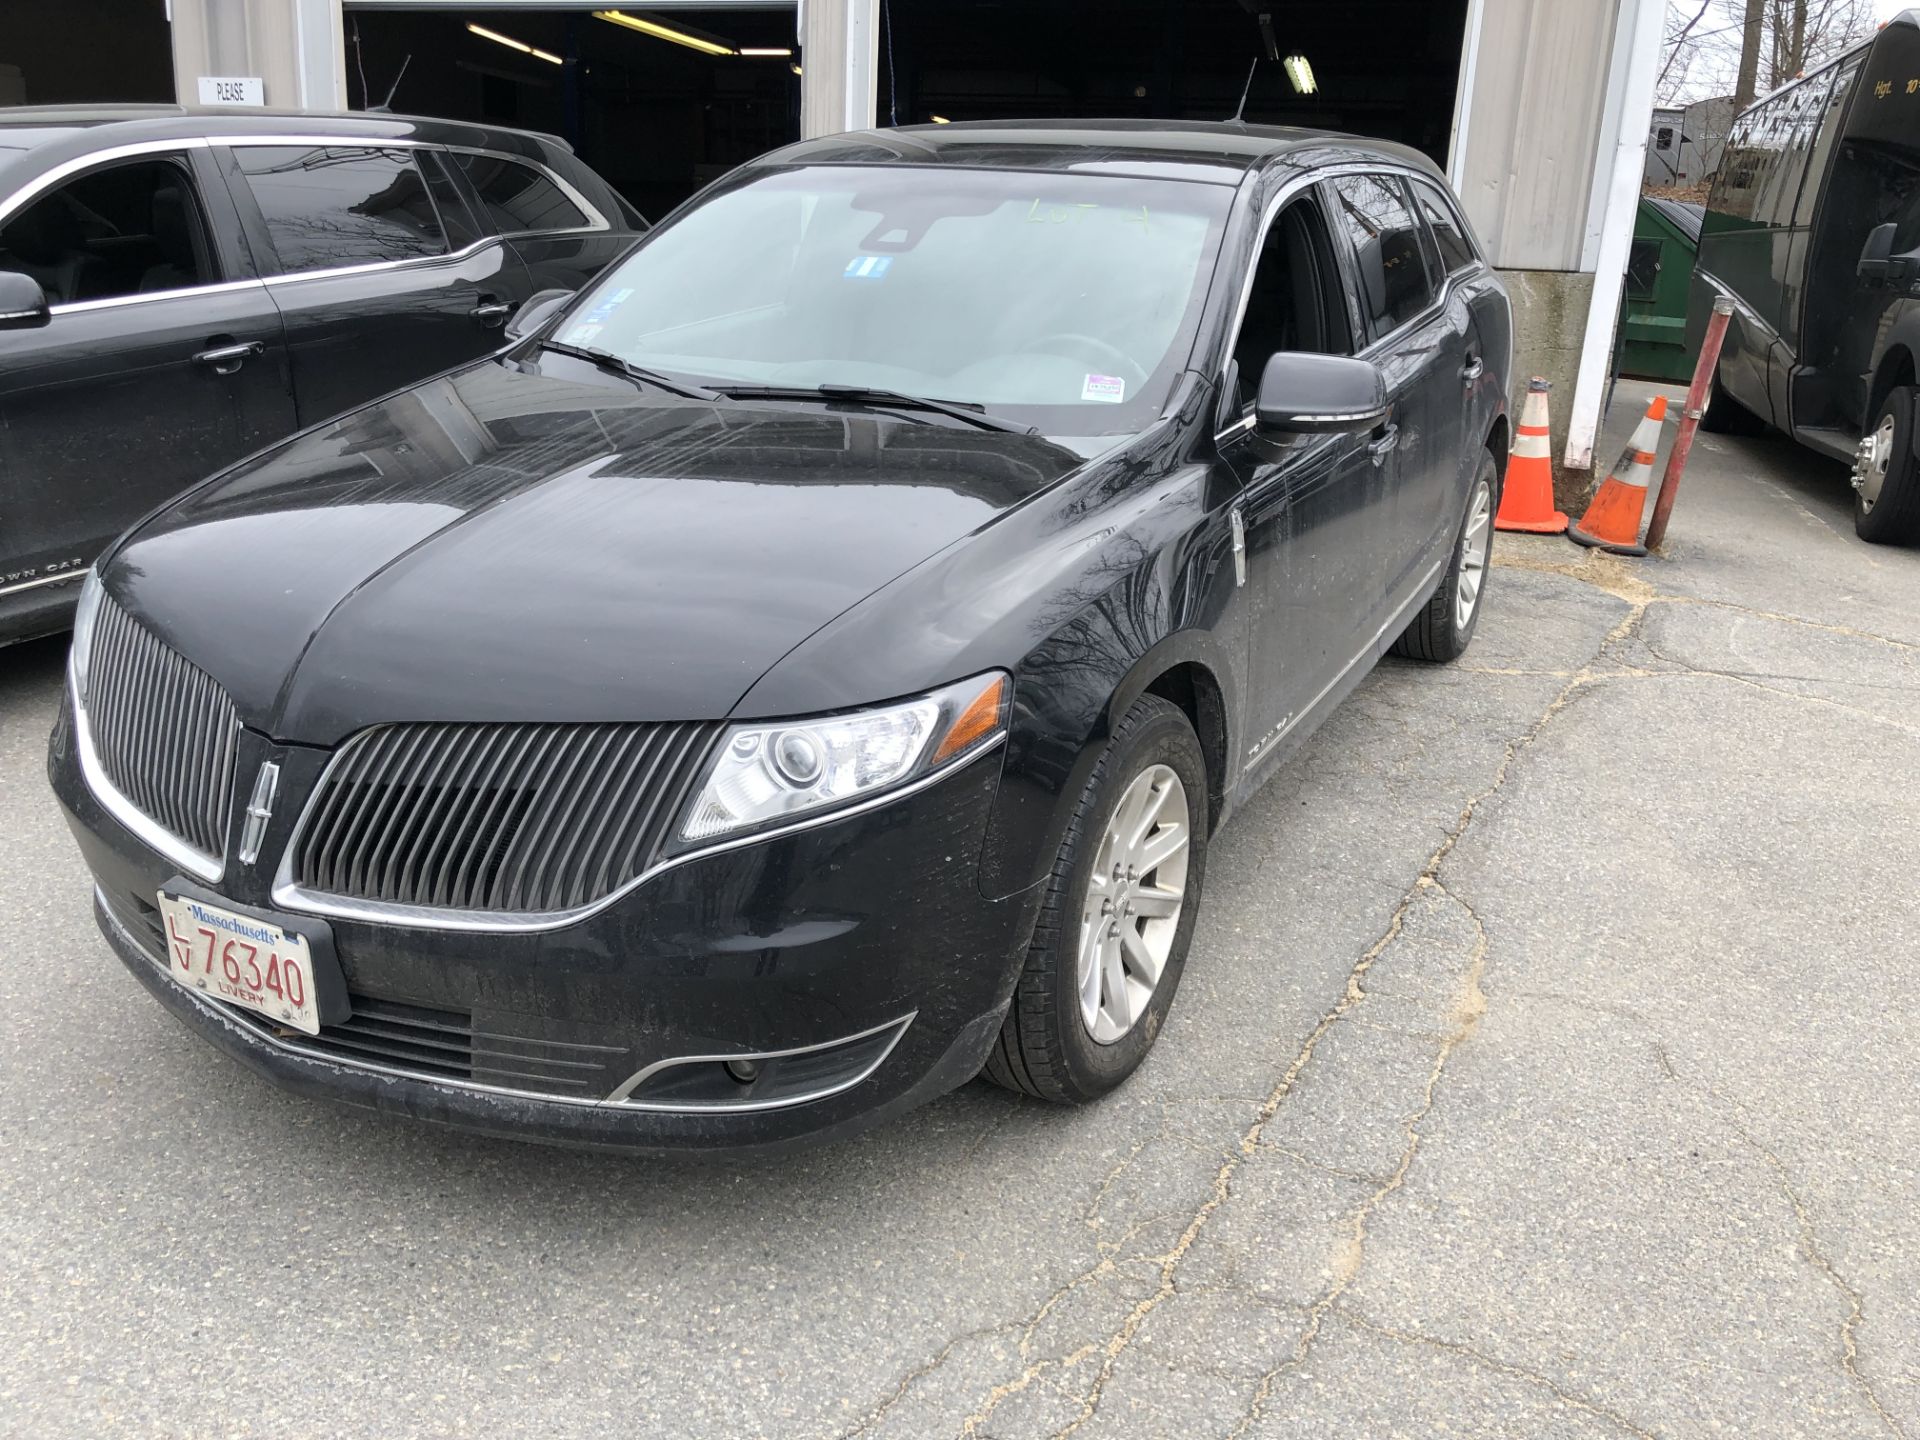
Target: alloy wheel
[1134, 898]
[1476, 544]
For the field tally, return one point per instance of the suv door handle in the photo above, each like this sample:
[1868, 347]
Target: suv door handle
[488, 311]
[1473, 369]
[1383, 442]
[225, 359]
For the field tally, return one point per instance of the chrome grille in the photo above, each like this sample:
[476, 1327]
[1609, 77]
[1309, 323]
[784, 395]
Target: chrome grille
[501, 818]
[163, 730]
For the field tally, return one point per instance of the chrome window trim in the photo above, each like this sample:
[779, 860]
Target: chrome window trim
[289, 896]
[1290, 191]
[256, 1031]
[114, 302]
[76, 574]
[596, 221]
[149, 832]
[48, 179]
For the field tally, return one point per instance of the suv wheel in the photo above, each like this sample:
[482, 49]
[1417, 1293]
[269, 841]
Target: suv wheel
[1445, 625]
[1886, 488]
[1727, 416]
[1118, 916]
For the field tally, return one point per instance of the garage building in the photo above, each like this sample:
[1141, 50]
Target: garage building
[1537, 109]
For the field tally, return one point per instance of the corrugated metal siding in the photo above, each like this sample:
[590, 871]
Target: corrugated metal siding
[1539, 92]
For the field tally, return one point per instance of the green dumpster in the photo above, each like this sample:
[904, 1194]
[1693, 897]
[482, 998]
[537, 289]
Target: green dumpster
[1653, 324]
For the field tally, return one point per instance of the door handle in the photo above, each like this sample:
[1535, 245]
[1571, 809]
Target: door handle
[1383, 442]
[1473, 369]
[225, 359]
[488, 311]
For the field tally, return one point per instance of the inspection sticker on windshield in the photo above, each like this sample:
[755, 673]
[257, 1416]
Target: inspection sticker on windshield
[1109, 388]
[583, 334]
[604, 310]
[867, 267]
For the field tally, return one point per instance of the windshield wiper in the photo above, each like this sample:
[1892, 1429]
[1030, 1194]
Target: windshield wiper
[607, 360]
[868, 395]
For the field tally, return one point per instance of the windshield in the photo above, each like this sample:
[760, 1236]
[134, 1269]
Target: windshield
[1067, 302]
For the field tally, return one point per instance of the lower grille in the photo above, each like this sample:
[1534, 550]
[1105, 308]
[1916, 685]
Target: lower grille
[497, 818]
[436, 1044]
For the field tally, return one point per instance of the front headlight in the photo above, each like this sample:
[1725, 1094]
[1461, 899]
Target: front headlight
[764, 773]
[80, 649]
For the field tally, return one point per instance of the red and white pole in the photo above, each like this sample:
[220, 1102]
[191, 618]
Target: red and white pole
[1697, 394]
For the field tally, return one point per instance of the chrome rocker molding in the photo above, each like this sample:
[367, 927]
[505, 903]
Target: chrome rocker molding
[260, 1034]
[289, 896]
[150, 833]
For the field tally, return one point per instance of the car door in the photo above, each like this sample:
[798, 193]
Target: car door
[1410, 340]
[163, 360]
[1467, 293]
[376, 266]
[559, 233]
[1306, 504]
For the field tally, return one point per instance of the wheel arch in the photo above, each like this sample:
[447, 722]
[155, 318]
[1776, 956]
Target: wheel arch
[1895, 368]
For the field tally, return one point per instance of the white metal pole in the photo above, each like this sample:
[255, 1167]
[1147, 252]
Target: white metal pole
[1622, 152]
[1463, 95]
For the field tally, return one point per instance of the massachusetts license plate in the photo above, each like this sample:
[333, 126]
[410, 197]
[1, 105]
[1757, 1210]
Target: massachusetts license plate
[242, 959]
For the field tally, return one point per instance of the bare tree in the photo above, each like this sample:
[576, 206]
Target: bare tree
[1751, 34]
[1746, 47]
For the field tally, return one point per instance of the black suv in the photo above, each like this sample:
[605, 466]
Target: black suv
[807, 670]
[180, 288]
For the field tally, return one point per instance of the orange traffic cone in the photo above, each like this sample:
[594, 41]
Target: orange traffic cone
[1612, 521]
[1526, 501]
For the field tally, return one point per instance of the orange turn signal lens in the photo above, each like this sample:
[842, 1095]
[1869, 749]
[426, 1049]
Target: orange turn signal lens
[983, 717]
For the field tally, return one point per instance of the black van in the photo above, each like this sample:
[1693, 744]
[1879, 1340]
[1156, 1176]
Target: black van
[1813, 229]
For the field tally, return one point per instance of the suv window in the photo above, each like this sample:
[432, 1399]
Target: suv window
[518, 197]
[1386, 243]
[1456, 251]
[125, 229]
[1296, 301]
[334, 205]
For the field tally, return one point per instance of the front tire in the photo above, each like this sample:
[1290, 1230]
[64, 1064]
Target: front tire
[1113, 931]
[1725, 415]
[1886, 493]
[1445, 625]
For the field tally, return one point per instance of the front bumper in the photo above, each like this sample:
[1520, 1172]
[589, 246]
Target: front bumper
[864, 942]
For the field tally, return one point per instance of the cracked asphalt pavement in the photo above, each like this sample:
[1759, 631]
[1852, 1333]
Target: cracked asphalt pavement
[1544, 1067]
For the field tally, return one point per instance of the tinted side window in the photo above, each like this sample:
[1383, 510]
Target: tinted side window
[1456, 251]
[518, 197]
[1386, 243]
[124, 229]
[341, 206]
[1751, 159]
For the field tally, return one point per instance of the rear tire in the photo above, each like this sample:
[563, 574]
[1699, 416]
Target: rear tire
[1445, 625]
[1727, 416]
[1053, 1044]
[1886, 495]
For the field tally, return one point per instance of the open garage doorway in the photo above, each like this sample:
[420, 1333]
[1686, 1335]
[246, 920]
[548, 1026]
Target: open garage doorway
[659, 102]
[1384, 68]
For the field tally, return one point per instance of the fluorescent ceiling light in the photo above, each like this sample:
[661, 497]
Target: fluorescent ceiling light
[940, 119]
[513, 44]
[663, 32]
[775, 52]
[1300, 73]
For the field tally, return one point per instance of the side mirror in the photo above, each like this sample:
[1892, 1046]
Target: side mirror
[535, 311]
[23, 304]
[1308, 394]
[1876, 255]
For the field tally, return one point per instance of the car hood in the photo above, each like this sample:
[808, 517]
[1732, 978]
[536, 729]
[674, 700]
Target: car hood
[508, 545]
